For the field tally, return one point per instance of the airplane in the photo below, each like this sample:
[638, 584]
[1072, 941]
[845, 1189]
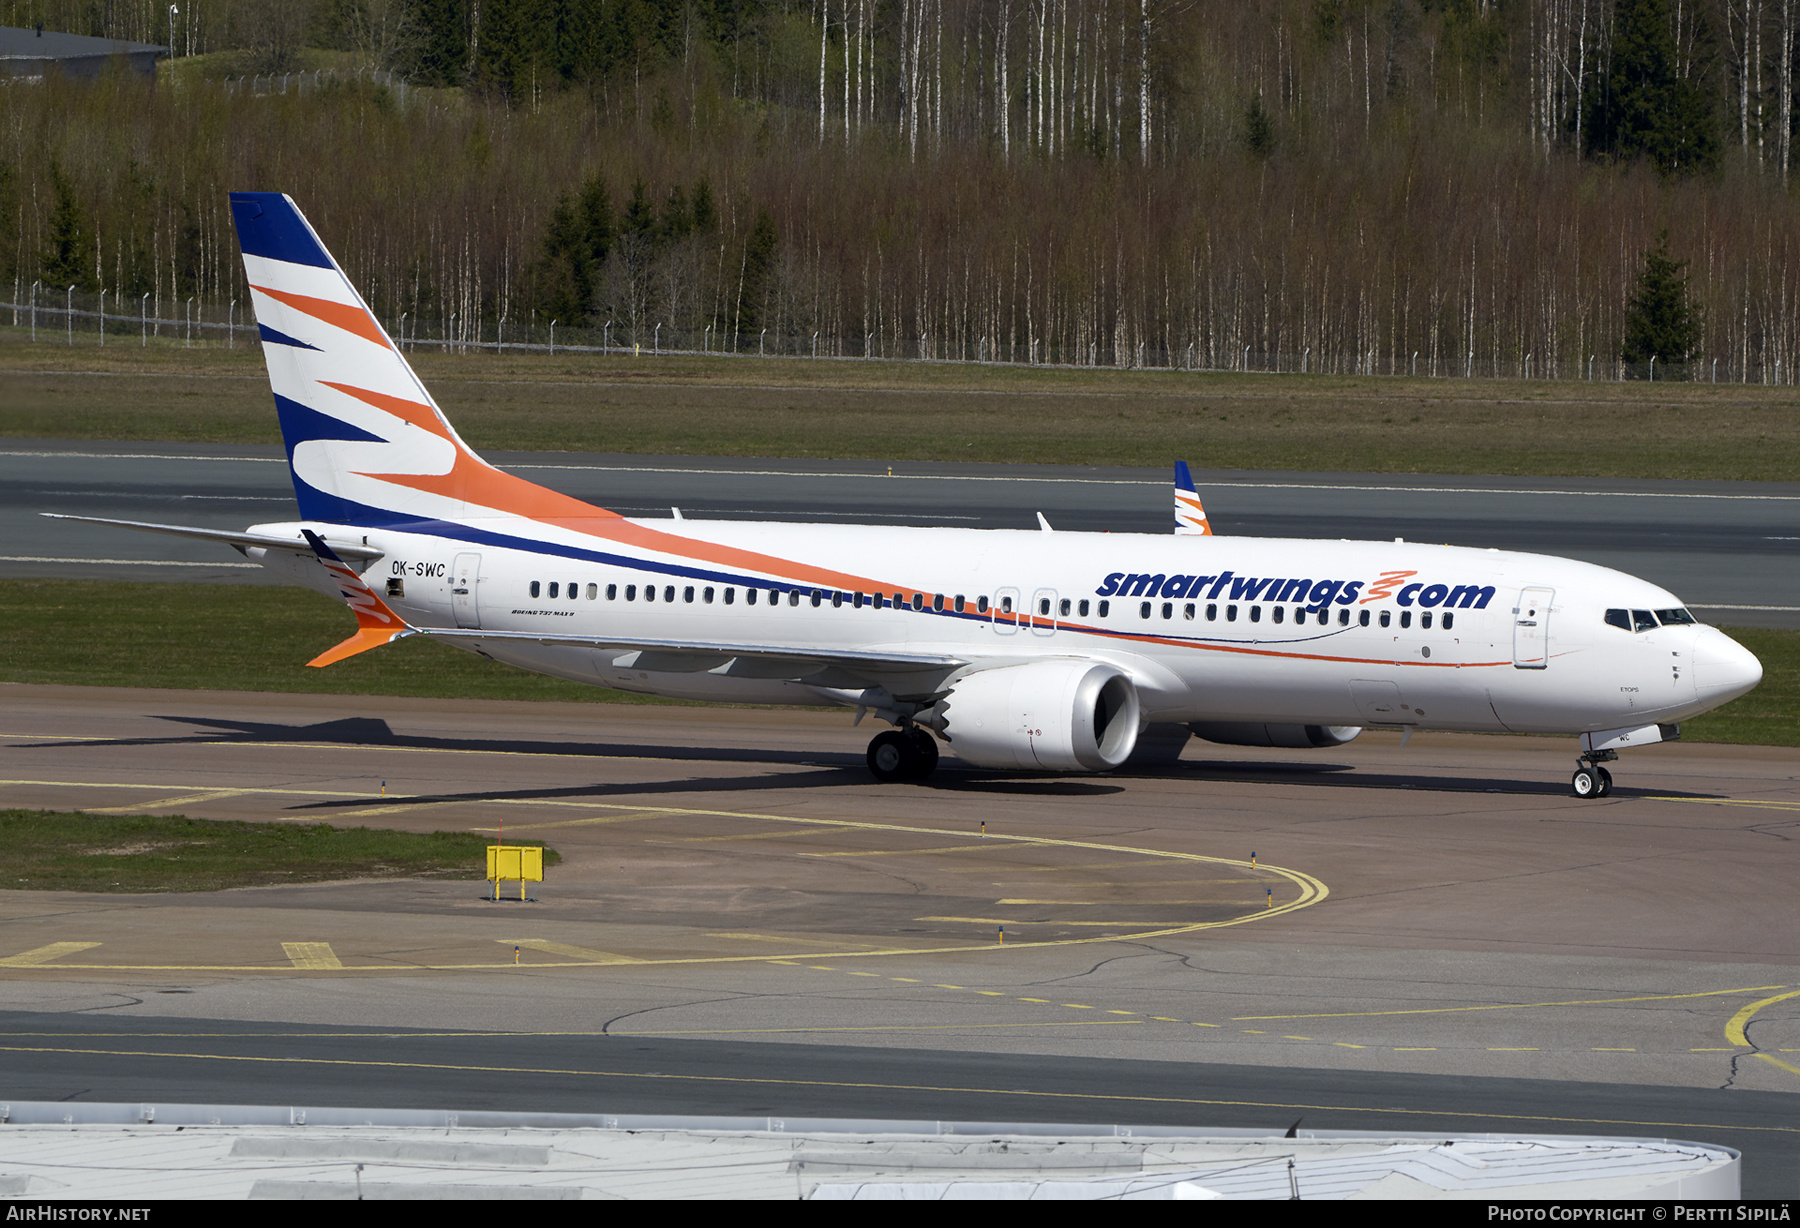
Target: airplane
[1019, 650]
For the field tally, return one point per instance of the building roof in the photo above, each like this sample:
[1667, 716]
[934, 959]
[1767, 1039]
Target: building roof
[32, 53]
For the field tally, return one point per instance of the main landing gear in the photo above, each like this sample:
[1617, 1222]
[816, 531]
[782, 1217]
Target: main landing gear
[1590, 779]
[903, 754]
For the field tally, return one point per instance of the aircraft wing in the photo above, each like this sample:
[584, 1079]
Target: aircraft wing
[699, 656]
[239, 541]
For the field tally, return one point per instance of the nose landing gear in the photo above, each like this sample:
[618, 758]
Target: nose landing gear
[1590, 779]
[902, 754]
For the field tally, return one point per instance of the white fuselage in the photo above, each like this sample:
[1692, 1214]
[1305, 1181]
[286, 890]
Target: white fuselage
[1208, 628]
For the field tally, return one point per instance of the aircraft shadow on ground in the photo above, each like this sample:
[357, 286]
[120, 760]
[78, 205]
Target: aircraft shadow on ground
[835, 769]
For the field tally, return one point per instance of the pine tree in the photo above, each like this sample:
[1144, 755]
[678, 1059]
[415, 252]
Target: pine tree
[1639, 107]
[68, 260]
[1660, 322]
[575, 249]
[1258, 130]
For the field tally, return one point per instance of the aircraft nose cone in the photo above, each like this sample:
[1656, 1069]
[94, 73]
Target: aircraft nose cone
[1723, 668]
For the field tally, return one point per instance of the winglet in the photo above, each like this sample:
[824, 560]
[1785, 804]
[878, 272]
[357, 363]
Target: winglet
[1190, 516]
[376, 624]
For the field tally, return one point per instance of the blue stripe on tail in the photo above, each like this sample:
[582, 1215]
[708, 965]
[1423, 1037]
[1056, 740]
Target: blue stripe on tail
[269, 225]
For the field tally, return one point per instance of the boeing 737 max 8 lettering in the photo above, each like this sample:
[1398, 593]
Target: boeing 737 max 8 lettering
[1033, 650]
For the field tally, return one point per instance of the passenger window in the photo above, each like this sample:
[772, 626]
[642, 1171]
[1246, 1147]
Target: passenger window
[1168, 610]
[981, 605]
[1044, 606]
[918, 601]
[900, 600]
[1344, 617]
[612, 592]
[1255, 614]
[1187, 611]
[1299, 615]
[1362, 619]
[1062, 607]
[1449, 620]
[1231, 612]
[669, 593]
[959, 601]
[937, 602]
[837, 600]
[707, 596]
[1144, 610]
[1278, 612]
[1642, 620]
[1619, 618]
[574, 590]
[1083, 607]
[1006, 605]
[631, 592]
[1425, 620]
[1212, 612]
[687, 594]
[534, 588]
[553, 588]
[730, 595]
[1387, 616]
[793, 596]
[749, 596]
[1405, 618]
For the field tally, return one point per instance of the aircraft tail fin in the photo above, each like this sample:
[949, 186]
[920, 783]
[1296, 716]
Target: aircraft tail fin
[366, 444]
[376, 623]
[1190, 516]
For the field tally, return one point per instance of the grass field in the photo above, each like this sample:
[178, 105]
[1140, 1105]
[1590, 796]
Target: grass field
[233, 637]
[99, 633]
[60, 851]
[675, 405]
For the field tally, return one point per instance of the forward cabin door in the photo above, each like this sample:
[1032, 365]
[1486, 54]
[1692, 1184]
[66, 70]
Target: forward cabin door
[1531, 628]
[465, 578]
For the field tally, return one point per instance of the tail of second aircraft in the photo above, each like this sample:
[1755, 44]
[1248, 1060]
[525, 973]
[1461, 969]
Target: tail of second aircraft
[366, 443]
[1190, 516]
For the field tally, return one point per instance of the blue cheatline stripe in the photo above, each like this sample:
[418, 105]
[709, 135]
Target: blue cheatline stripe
[272, 337]
[268, 225]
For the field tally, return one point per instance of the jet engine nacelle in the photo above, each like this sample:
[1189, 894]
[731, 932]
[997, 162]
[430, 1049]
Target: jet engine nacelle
[1300, 737]
[1052, 716]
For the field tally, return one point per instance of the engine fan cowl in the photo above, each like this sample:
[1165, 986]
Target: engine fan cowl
[1051, 716]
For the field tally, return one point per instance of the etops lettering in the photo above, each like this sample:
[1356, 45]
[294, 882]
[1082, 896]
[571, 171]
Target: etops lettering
[1314, 595]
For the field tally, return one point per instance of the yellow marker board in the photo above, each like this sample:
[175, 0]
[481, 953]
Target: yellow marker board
[514, 863]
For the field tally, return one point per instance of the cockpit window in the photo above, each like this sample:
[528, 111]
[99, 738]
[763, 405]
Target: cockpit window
[1676, 618]
[1643, 620]
[1619, 618]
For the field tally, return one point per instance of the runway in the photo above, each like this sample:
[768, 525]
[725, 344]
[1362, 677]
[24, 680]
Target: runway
[1371, 937]
[1729, 549]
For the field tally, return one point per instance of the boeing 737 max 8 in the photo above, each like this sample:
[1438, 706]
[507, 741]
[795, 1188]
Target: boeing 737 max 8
[1033, 650]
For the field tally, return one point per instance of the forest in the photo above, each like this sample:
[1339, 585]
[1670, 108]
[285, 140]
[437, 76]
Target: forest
[1446, 187]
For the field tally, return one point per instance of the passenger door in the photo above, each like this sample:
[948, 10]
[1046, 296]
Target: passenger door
[1531, 628]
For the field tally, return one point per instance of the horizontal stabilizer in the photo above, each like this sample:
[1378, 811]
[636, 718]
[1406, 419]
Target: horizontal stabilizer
[237, 540]
[376, 624]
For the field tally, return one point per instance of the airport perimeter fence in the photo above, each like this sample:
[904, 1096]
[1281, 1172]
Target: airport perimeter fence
[73, 317]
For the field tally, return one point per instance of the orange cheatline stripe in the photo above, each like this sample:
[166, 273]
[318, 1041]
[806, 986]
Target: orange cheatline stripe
[422, 416]
[347, 316]
[474, 481]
